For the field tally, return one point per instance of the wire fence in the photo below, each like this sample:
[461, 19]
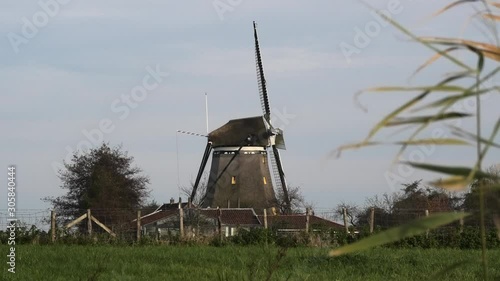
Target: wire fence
[199, 224]
[41, 218]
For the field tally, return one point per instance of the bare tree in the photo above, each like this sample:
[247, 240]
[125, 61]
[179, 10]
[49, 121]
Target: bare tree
[352, 212]
[384, 202]
[297, 201]
[200, 191]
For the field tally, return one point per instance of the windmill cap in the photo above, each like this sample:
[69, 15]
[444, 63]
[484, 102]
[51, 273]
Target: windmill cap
[254, 131]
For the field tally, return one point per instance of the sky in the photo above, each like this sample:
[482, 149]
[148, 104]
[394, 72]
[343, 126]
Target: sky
[75, 73]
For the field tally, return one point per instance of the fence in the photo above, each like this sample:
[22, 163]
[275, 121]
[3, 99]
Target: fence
[199, 224]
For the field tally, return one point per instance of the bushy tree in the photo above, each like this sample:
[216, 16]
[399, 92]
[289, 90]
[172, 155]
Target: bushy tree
[490, 187]
[103, 180]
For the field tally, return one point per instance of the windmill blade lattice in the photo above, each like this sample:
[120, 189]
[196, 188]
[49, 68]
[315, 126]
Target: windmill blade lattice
[280, 179]
[261, 80]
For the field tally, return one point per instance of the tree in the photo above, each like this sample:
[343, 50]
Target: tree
[417, 199]
[297, 201]
[491, 197]
[200, 191]
[103, 180]
[352, 213]
[149, 207]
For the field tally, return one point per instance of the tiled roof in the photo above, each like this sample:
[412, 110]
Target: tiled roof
[171, 206]
[243, 216]
[298, 222]
[158, 215]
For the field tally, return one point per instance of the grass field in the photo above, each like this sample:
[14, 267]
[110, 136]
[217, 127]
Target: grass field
[61, 262]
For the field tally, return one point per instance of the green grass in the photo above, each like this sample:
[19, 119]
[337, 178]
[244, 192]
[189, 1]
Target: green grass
[61, 262]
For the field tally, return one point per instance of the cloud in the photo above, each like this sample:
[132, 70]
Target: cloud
[280, 61]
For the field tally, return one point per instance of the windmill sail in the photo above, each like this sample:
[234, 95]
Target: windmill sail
[264, 100]
[204, 161]
[277, 134]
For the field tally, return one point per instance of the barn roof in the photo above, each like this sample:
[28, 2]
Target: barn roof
[299, 222]
[241, 216]
[172, 206]
[245, 217]
[158, 215]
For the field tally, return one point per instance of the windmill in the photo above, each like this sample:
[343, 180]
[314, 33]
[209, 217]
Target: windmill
[240, 175]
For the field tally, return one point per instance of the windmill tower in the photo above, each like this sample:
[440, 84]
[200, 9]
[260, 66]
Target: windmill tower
[240, 175]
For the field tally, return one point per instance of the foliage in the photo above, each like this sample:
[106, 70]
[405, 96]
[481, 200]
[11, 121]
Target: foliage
[468, 81]
[101, 179]
[491, 192]
[149, 207]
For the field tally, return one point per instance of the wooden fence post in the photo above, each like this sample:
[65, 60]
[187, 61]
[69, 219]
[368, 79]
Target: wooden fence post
[219, 222]
[53, 225]
[138, 225]
[307, 219]
[372, 219]
[181, 222]
[344, 214]
[89, 222]
[427, 231]
[461, 224]
[265, 219]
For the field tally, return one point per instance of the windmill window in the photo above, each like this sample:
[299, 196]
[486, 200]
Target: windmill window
[233, 180]
[264, 179]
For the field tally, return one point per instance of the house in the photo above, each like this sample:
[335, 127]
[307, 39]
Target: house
[298, 223]
[174, 206]
[167, 221]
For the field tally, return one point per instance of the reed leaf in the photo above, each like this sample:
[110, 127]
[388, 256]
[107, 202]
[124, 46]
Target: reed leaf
[411, 35]
[451, 5]
[491, 16]
[434, 141]
[454, 183]
[471, 136]
[381, 124]
[453, 99]
[432, 59]
[444, 108]
[426, 119]
[493, 3]
[488, 50]
[451, 170]
[432, 88]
